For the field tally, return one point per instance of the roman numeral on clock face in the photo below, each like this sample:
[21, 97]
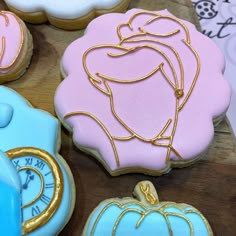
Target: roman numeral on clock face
[28, 161]
[40, 164]
[48, 173]
[49, 185]
[16, 164]
[45, 199]
[35, 211]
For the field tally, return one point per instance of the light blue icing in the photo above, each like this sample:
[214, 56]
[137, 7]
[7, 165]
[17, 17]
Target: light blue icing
[35, 128]
[8, 173]
[10, 199]
[6, 112]
[153, 224]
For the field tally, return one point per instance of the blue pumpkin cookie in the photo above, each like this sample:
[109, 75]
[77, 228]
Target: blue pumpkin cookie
[145, 215]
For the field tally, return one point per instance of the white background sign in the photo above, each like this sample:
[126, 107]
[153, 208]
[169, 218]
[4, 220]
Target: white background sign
[218, 21]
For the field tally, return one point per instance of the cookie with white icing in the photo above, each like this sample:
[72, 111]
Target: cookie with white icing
[16, 47]
[142, 92]
[65, 14]
[145, 215]
[30, 139]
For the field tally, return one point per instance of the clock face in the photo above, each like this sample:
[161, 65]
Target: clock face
[38, 185]
[41, 183]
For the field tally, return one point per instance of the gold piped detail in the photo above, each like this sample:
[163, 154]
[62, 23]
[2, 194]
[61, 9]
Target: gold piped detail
[150, 197]
[102, 126]
[160, 208]
[179, 93]
[3, 48]
[7, 22]
[181, 96]
[47, 214]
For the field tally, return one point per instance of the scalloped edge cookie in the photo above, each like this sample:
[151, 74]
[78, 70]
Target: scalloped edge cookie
[65, 21]
[101, 111]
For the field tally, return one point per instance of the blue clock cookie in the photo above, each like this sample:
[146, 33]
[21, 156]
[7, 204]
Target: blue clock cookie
[31, 140]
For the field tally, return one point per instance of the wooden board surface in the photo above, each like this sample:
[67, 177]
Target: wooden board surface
[209, 185]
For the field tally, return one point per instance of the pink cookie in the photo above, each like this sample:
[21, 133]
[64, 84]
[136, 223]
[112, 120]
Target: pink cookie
[15, 47]
[142, 91]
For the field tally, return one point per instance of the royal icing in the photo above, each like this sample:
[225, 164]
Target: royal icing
[27, 130]
[11, 40]
[145, 216]
[10, 200]
[63, 9]
[144, 95]
[6, 112]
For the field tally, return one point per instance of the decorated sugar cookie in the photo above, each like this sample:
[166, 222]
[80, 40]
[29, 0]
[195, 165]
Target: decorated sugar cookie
[10, 199]
[16, 47]
[145, 215]
[142, 91]
[65, 14]
[30, 138]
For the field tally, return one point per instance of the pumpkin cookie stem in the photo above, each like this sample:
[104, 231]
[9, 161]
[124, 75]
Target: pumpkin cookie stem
[146, 193]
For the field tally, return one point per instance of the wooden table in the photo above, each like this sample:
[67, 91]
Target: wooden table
[209, 185]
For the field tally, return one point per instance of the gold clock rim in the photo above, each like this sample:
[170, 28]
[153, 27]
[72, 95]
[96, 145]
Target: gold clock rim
[40, 220]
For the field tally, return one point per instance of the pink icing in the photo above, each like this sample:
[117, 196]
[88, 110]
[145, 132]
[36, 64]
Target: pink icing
[11, 33]
[144, 106]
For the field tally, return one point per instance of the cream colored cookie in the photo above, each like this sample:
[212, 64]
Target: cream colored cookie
[64, 14]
